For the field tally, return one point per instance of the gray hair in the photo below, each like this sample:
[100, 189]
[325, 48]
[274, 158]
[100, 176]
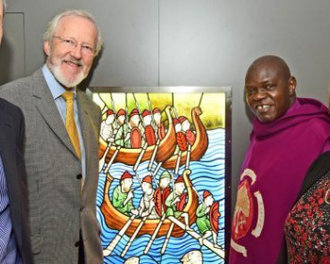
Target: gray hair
[49, 33]
[4, 4]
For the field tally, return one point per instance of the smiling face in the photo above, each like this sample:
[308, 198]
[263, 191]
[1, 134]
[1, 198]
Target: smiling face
[269, 90]
[71, 64]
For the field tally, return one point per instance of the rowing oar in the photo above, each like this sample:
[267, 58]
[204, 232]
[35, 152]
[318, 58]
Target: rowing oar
[153, 155]
[105, 107]
[114, 110]
[138, 178]
[153, 123]
[192, 233]
[157, 168]
[140, 113]
[199, 196]
[106, 170]
[177, 165]
[138, 161]
[102, 160]
[188, 157]
[152, 239]
[133, 236]
[115, 241]
[167, 238]
[153, 176]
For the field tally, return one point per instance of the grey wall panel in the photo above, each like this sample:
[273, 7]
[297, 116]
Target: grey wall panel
[197, 42]
[130, 56]
[12, 52]
[130, 30]
[213, 42]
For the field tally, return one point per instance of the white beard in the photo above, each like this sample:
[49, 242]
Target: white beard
[59, 76]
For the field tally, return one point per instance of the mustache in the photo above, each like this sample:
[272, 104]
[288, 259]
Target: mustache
[74, 61]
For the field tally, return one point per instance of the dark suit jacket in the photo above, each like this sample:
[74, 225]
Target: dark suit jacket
[11, 143]
[59, 209]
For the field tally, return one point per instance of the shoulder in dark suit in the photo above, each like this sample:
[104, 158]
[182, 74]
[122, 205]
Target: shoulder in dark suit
[11, 149]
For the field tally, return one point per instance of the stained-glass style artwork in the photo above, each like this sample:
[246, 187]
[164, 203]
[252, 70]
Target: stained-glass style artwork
[163, 194]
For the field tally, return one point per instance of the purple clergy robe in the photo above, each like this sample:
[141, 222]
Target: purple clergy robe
[278, 157]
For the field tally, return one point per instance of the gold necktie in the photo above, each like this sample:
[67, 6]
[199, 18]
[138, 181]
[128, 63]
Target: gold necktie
[70, 124]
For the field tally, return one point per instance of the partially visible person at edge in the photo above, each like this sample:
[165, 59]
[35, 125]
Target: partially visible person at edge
[288, 134]
[307, 227]
[15, 246]
[61, 143]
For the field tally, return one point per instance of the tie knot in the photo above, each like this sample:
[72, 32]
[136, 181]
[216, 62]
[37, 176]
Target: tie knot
[68, 96]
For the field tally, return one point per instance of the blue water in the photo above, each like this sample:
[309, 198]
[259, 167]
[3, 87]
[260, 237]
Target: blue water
[207, 174]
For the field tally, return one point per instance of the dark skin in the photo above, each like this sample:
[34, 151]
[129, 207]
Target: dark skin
[269, 88]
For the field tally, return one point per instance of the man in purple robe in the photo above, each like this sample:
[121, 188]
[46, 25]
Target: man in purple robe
[288, 134]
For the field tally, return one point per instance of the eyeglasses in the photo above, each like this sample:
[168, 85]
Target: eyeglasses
[72, 44]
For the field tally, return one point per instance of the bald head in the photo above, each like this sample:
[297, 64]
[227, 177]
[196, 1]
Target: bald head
[270, 60]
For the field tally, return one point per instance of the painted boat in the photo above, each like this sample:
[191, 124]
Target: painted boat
[198, 148]
[116, 220]
[129, 156]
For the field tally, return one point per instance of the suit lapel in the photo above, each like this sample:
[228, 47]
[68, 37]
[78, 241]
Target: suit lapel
[45, 104]
[85, 127]
[7, 152]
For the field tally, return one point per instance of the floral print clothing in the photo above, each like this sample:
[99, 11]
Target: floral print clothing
[307, 227]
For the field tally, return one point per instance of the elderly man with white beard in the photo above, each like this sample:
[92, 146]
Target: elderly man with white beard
[61, 143]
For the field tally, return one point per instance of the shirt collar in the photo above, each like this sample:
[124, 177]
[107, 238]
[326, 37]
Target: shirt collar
[54, 86]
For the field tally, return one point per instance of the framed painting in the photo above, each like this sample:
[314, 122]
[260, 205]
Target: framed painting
[165, 174]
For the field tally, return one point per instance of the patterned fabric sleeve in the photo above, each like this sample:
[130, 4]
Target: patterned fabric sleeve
[307, 227]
